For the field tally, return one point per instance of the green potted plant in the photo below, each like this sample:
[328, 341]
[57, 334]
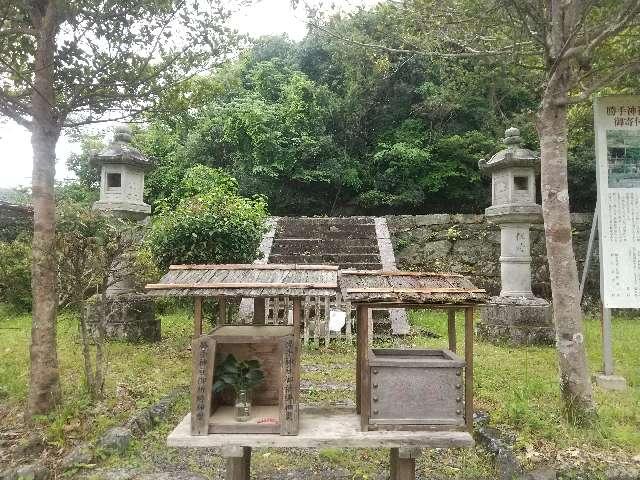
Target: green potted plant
[243, 376]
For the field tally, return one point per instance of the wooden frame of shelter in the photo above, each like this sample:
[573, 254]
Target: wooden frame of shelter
[412, 290]
[276, 347]
[365, 289]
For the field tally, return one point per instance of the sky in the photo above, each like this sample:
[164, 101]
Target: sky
[266, 17]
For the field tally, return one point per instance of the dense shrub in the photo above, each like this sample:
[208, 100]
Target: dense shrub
[214, 225]
[15, 273]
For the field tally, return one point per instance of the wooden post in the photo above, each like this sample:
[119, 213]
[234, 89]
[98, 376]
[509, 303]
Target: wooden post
[362, 370]
[468, 375]
[238, 463]
[305, 319]
[607, 350]
[197, 317]
[203, 352]
[451, 326]
[327, 311]
[348, 320]
[402, 463]
[222, 311]
[258, 311]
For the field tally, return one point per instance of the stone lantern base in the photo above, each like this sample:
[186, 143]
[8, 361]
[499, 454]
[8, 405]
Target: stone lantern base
[130, 317]
[517, 320]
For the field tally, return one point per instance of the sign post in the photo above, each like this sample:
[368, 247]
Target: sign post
[617, 135]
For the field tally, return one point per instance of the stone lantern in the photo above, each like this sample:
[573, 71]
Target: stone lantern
[122, 169]
[131, 314]
[516, 315]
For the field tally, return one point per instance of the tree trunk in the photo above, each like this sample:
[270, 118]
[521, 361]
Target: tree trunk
[44, 380]
[575, 383]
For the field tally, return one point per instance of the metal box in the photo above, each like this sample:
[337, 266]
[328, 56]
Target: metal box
[415, 389]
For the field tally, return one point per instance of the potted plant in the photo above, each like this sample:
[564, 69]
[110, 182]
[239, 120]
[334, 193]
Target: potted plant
[243, 376]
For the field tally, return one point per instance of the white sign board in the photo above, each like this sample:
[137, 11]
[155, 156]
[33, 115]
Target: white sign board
[617, 128]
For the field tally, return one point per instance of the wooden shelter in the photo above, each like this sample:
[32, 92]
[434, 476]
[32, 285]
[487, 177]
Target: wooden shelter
[275, 347]
[378, 402]
[404, 431]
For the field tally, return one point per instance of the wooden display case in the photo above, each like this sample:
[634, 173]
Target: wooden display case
[415, 389]
[274, 402]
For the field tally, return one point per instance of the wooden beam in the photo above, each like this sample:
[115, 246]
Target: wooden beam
[362, 370]
[468, 371]
[451, 329]
[377, 304]
[401, 466]
[413, 290]
[238, 463]
[203, 351]
[222, 311]
[204, 286]
[259, 311]
[254, 266]
[197, 317]
[394, 273]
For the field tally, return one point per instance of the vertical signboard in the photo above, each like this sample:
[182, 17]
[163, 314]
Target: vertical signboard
[617, 128]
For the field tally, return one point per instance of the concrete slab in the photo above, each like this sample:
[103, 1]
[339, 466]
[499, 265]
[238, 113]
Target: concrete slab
[610, 382]
[320, 429]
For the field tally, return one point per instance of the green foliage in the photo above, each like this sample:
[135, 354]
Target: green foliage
[79, 163]
[15, 273]
[239, 375]
[75, 191]
[215, 225]
[90, 246]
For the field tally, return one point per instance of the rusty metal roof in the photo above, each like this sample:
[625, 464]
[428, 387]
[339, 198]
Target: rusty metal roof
[410, 288]
[247, 280]
[356, 286]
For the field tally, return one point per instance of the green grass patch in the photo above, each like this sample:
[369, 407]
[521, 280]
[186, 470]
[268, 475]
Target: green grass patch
[517, 386]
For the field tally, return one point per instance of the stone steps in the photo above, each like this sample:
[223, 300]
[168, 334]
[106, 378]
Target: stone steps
[327, 258]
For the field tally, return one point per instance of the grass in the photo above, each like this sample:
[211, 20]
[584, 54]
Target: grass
[517, 386]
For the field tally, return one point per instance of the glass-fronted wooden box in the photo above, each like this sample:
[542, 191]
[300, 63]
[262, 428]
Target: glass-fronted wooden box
[274, 401]
[415, 389]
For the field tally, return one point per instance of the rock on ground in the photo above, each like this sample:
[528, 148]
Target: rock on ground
[116, 439]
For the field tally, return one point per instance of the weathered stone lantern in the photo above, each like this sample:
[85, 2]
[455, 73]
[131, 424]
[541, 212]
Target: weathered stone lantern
[131, 314]
[122, 169]
[516, 315]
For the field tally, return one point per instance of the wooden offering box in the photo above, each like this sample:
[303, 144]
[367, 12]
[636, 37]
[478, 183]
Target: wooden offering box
[415, 389]
[274, 401]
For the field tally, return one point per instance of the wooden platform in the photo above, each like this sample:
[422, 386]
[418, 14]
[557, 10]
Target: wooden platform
[321, 429]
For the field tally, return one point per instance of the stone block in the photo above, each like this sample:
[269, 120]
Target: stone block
[518, 320]
[129, 317]
[433, 219]
[116, 439]
[610, 382]
[467, 218]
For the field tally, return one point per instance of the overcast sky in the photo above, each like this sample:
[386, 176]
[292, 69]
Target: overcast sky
[266, 17]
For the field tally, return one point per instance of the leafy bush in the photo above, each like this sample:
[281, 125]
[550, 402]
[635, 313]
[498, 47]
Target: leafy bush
[15, 273]
[216, 225]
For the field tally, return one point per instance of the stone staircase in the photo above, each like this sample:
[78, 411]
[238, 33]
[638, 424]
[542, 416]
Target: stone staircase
[349, 242]
[358, 243]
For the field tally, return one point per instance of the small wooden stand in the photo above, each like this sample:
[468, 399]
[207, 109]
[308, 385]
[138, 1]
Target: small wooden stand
[275, 401]
[321, 428]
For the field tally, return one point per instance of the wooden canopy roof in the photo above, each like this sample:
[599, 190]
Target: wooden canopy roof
[251, 280]
[408, 288]
[356, 286]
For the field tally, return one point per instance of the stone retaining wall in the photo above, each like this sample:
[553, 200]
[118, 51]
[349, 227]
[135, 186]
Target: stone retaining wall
[469, 245]
[14, 219]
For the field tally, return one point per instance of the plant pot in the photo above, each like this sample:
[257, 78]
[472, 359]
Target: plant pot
[243, 405]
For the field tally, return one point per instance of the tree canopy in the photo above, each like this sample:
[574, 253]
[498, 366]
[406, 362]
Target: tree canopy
[333, 126]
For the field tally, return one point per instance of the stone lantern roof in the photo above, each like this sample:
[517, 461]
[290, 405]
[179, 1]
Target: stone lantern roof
[512, 156]
[120, 151]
